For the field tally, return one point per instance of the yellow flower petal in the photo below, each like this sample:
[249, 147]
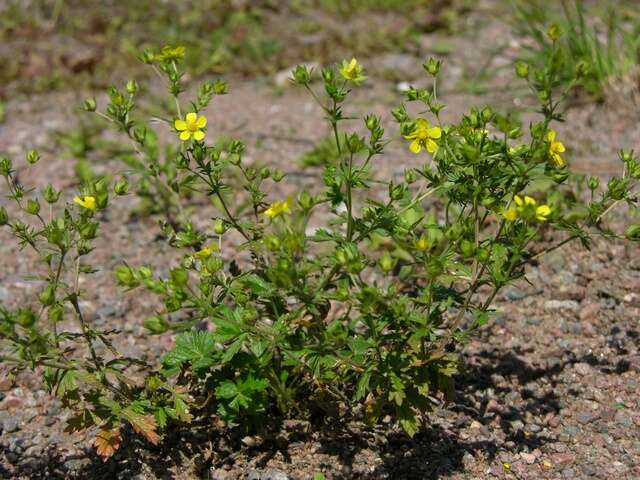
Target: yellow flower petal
[551, 136]
[85, 201]
[510, 214]
[529, 200]
[186, 135]
[191, 117]
[518, 200]
[558, 147]
[180, 125]
[421, 124]
[431, 146]
[202, 122]
[198, 135]
[415, 146]
[559, 161]
[434, 132]
[542, 212]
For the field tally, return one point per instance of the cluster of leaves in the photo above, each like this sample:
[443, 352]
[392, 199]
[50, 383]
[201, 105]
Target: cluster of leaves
[360, 319]
[594, 48]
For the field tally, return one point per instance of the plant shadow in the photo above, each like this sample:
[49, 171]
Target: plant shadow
[441, 448]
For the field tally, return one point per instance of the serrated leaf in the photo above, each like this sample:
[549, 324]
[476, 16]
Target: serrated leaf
[107, 442]
[145, 425]
[197, 348]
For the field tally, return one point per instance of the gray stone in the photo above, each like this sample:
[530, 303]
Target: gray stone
[571, 305]
[571, 430]
[533, 428]
[4, 295]
[9, 423]
[514, 294]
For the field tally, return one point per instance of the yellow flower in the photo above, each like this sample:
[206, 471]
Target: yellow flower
[506, 466]
[191, 126]
[511, 214]
[527, 201]
[169, 54]
[423, 137]
[529, 204]
[207, 251]
[542, 212]
[423, 243]
[555, 148]
[554, 32]
[352, 71]
[278, 208]
[86, 201]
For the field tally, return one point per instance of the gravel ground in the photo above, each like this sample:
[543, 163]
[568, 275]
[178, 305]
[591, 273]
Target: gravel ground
[549, 387]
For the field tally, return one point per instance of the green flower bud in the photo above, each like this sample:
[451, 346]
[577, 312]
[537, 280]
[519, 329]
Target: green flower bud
[467, 248]
[5, 166]
[156, 324]
[50, 194]
[554, 32]
[346, 254]
[90, 105]
[410, 176]
[372, 122]
[56, 313]
[33, 156]
[454, 232]
[126, 276]
[33, 206]
[593, 183]
[626, 156]
[251, 173]
[121, 187]
[48, 296]
[4, 216]
[84, 247]
[400, 114]
[301, 75]
[396, 192]
[277, 175]
[271, 242]
[214, 264]
[219, 226]
[522, 69]
[387, 262]
[220, 87]
[264, 172]
[483, 255]
[328, 75]
[487, 114]
[434, 267]
[148, 56]
[582, 69]
[26, 317]
[305, 200]
[617, 188]
[132, 87]
[432, 66]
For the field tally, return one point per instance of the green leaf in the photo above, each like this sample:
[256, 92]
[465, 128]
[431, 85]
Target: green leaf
[197, 348]
[258, 285]
[408, 420]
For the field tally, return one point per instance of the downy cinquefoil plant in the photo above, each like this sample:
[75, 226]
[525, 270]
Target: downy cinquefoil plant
[357, 320]
[361, 318]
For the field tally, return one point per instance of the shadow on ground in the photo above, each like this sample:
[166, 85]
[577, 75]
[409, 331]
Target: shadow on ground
[434, 452]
